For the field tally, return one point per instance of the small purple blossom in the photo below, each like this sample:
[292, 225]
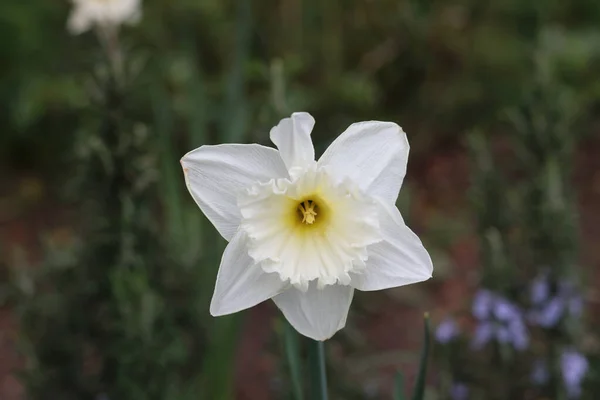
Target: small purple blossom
[482, 304]
[540, 375]
[575, 306]
[519, 334]
[459, 391]
[549, 315]
[540, 289]
[549, 307]
[574, 367]
[446, 331]
[499, 320]
[484, 332]
[505, 310]
[573, 299]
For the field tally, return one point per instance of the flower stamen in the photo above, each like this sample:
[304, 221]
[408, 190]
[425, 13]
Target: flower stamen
[307, 211]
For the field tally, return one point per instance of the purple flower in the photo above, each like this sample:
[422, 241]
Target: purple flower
[550, 308]
[484, 332]
[503, 334]
[505, 311]
[540, 374]
[483, 303]
[540, 289]
[499, 320]
[459, 391]
[574, 367]
[575, 306]
[446, 331]
[572, 298]
[551, 313]
[519, 336]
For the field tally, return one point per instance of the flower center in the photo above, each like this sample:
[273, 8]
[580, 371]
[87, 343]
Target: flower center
[306, 211]
[309, 228]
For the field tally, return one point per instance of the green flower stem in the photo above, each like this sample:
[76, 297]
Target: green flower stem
[292, 352]
[318, 375]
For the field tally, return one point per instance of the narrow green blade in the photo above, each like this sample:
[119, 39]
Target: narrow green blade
[235, 115]
[171, 174]
[419, 391]
[220, 357]
[292, 353]
[399, 386]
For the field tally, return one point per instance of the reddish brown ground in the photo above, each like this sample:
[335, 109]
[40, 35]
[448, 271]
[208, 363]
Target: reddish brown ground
[388, 325]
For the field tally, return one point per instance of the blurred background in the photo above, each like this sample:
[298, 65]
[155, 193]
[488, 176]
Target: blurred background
[107, 266]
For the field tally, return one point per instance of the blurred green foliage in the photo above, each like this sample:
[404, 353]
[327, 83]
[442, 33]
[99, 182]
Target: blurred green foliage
[437, 67]
[123, 310]
[527, 228]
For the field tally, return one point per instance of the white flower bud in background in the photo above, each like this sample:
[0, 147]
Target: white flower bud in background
[104, 14]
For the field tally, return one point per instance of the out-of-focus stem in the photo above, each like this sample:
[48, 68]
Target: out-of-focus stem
[108, 36]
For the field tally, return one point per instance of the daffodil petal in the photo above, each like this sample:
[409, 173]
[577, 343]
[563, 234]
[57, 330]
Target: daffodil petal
[215, 175]
[105, 14]
[400, 259]
[373, 154]
[316, 313]
[292, 138]
[241, 283]
[78, 22]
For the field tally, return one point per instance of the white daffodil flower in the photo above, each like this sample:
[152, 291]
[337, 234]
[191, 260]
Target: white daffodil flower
[106, 14]
[307, 233]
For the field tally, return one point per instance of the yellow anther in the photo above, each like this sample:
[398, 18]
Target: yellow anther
[307, 208]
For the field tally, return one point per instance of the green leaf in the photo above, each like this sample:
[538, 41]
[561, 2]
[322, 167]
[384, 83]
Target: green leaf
[171, 175]
[292, 353]
[419, 391]
[399, 386]
[235, 115]
[220, 357]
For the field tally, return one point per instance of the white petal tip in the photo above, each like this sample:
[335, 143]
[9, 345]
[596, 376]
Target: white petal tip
[184, 162]
[324, 339]
[219, 309]
[215, 312]
[424, 277]
[303, 115]
[318, 338]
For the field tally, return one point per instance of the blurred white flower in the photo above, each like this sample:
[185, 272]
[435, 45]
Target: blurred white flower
[106, 14]
[307, 233]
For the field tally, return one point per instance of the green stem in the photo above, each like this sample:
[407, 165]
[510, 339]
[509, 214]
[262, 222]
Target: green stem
[292, 352]
[318, 375]
[419, 390]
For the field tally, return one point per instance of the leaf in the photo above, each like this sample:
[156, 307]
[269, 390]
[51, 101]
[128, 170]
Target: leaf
[399, 386]
[419, 390]
[234, 117]
[220, 357]
[170, 171]
[292, 353]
